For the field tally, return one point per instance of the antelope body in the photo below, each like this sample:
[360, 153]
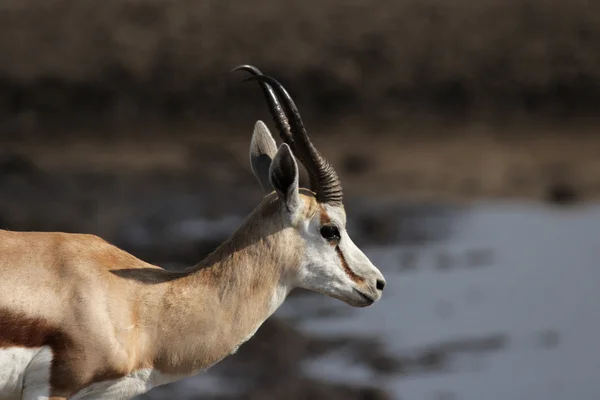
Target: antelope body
[82, 319]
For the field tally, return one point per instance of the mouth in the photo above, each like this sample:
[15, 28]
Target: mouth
[369, 300]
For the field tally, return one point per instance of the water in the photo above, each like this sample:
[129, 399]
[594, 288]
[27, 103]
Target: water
[508, 303]
[491, 301]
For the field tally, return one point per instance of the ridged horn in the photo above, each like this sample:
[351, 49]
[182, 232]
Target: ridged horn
[324, 179]
[277, 111]
[278, 114]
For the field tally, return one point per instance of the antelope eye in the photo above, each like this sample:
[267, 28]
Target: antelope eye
[330, 233]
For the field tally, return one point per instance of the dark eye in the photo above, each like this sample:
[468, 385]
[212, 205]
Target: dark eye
[330, 233]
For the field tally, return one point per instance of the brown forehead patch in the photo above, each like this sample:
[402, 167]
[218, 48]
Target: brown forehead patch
[324, 216]
[311, 206]
[347, 270]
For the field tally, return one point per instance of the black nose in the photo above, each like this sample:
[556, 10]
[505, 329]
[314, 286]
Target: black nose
[380, 284]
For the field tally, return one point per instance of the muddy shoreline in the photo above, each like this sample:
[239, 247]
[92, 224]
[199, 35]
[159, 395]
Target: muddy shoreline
[460, 163]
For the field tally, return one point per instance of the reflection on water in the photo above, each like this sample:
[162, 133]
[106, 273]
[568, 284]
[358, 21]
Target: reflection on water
[492, 301]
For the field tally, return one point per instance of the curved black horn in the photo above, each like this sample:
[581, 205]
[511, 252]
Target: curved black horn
[323, 176]
[277, 112]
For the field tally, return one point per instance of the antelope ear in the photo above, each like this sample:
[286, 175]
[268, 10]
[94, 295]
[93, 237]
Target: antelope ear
[283, 175]
[262, 151]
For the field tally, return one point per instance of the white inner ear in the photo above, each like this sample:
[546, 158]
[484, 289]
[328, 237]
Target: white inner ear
[262, 140]
[262, 151]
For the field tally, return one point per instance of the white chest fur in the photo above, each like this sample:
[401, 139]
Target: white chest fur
[25, 372]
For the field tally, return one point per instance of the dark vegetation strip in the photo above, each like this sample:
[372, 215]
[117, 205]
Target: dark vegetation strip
[118, 61]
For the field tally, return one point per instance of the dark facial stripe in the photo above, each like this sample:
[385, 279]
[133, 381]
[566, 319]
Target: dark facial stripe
[347, 270]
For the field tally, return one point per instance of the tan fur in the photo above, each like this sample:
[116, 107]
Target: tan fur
[106, 313]
[324, 217]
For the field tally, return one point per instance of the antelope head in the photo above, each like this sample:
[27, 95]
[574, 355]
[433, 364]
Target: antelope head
[330, 263]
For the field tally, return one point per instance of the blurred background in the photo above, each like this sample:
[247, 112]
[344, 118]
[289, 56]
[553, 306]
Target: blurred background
[465, 134]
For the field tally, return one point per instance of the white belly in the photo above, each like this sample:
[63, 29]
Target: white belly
[125, 388]
[25, 372]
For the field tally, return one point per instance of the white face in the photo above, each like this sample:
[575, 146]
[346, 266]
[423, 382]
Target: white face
[330, 262]
[333, 264]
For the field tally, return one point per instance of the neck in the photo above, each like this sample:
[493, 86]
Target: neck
[221, 302]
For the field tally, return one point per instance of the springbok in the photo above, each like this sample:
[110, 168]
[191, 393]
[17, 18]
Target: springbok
[83, 319]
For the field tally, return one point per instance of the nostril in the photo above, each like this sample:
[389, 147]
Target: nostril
[380, 284]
